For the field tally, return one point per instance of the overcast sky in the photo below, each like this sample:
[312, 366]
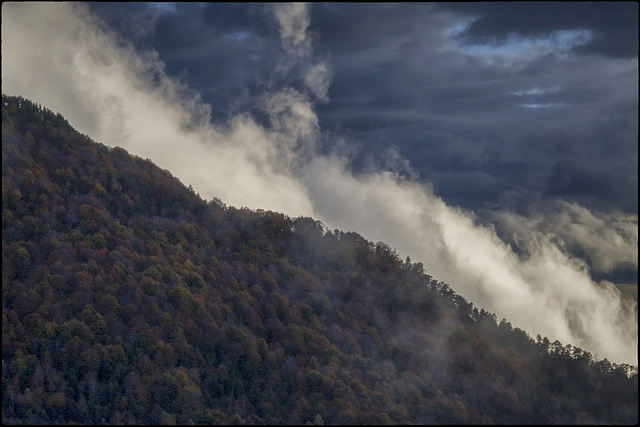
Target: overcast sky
[497, 143]
[491, 102]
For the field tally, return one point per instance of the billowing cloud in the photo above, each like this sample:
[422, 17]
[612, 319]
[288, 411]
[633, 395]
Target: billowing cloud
[546, 292]
[608, 241]
[60, 56]
[121, 98]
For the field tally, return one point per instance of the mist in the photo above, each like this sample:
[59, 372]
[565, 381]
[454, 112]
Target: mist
[58, 55]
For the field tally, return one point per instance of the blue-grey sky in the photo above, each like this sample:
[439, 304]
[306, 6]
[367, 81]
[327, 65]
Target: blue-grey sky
[496, 143]
[492, 103]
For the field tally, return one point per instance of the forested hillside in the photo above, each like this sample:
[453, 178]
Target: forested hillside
[129, 299]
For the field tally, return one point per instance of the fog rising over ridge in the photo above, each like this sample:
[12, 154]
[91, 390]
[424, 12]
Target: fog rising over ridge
[276, 155]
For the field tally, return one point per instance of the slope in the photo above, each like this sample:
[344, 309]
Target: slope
[129, 299]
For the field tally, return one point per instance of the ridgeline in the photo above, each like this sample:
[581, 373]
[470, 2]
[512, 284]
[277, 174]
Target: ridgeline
[127, 298]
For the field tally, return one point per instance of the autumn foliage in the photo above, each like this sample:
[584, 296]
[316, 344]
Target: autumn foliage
[127, 298]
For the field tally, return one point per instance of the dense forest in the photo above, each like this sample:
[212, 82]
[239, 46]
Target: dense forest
[127, 298]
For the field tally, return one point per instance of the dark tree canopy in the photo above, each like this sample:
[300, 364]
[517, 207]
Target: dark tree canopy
[129, 299]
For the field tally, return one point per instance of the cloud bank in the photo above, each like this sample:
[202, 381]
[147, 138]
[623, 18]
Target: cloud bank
[61, 56]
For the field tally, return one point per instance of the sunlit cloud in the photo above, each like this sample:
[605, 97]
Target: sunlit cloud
[608, 240]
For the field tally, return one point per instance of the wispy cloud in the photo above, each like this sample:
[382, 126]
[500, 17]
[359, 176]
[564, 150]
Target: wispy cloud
[536, 91]
[293, 22]
[58, 55]
[607, 241]
[516, 49]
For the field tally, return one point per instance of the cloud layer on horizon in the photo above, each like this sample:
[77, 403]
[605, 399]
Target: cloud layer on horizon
[63, 57]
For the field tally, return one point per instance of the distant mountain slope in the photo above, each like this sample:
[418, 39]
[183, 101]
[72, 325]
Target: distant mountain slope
[129, 299]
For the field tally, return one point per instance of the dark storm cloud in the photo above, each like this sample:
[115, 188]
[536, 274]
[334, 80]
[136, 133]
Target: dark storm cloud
[223, 50]
[356, 28]
[590, 186]
[403, 76]
[400, 73]
[571, 180]
[614, 24]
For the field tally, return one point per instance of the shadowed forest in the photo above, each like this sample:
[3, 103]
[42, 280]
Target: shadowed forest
[127, 298]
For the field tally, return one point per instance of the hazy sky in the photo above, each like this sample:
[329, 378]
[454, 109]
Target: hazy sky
[497, 143]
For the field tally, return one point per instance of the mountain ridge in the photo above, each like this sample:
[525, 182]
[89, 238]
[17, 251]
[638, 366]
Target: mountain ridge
[128, 298]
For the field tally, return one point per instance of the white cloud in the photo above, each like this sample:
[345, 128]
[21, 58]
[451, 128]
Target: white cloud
[293, 20]
[317, 79]
[536, 91]
[520, 50]
[293, 24]
[536, 106]
[55, 54]
[608, 241]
